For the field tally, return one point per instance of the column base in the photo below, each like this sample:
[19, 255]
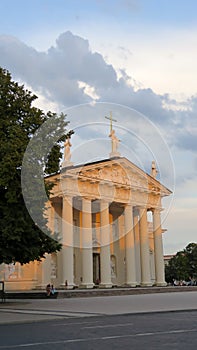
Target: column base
[114, 154]
[130, 284]
[146, 284]
[105, 285]
[70, 286]
[161, 284]
[86, 285]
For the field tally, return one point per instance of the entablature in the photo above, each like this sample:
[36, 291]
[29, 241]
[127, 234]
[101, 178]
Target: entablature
[116, 180]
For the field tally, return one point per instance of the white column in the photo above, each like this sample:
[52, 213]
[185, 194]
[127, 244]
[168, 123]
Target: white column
[51, 218]
[105, 261]
[44, 272]
[137, 247]
[87, 257]
[158, 248]
[130, 247]
[144, 249]
[67, 243]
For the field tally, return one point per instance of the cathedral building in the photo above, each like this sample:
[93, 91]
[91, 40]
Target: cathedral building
[107, 215]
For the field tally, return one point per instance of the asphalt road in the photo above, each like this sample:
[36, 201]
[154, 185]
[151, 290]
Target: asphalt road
[162, 330]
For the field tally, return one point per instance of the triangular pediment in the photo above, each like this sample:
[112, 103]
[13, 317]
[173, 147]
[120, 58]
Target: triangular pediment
[120, 172]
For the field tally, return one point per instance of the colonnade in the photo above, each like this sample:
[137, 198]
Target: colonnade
[131, 223]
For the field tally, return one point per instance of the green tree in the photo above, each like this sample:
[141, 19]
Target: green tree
[177, 268]
[191, 253]
[20, 237]
[183, 265]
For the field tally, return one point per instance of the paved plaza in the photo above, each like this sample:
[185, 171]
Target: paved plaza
[27, 310]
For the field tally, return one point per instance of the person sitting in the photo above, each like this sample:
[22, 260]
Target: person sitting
[48, 290]
[53, 290]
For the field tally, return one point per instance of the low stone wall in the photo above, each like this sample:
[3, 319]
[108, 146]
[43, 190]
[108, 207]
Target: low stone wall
[123, 291]
[81, 293]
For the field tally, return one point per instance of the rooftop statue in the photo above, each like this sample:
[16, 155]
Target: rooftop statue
[67, 153]
[115, 141]
[154, 170]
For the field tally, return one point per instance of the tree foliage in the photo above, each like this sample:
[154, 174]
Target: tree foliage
[183, 266]
[20, 237]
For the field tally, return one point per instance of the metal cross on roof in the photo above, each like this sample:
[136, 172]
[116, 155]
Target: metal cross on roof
[111, 120]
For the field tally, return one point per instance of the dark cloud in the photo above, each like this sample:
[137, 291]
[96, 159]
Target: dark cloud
[185, 129]
[57, 72]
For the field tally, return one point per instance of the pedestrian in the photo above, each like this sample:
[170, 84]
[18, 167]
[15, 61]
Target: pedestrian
[53, 290]
[48, 290]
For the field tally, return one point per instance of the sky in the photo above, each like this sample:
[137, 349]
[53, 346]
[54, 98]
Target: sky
[136, 58]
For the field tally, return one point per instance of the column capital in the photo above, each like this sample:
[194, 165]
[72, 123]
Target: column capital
[140, 207]
[143, 206]
[156, 210]
[86, 198]
[67, 196]
[129, 205]
[104, 201]
[142, 210]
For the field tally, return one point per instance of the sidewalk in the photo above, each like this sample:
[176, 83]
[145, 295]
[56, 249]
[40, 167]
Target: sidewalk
[48, 309]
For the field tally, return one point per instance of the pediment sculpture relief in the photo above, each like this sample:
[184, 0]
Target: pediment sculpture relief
[114, 174]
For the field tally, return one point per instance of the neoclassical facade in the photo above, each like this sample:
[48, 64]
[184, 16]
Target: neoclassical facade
[107, 215]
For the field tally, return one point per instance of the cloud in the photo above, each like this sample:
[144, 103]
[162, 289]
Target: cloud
[57, 75]
[186, 127]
